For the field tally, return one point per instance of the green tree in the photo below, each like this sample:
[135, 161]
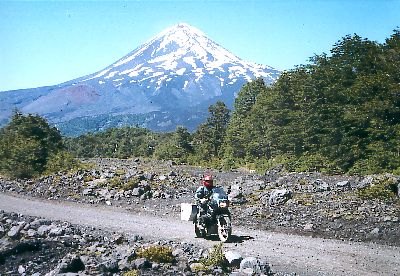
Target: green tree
[177, 146]
[210, 136]
[26, 145]
[338, 113]
[238, 134]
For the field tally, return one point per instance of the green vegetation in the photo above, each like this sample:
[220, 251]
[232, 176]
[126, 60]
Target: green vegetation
[380, 189]
[338, 114]
[133, 272]
[158, 254]
[115, 143]
[27, 144]
[215, 257]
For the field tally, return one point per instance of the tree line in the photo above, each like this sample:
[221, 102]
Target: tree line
[339, 114]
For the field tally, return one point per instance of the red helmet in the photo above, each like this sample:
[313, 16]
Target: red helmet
[207, 181]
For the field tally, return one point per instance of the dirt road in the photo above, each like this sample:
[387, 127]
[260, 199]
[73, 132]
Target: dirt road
[285, 253]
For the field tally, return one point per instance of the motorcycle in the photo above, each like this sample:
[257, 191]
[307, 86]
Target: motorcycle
[217, 219]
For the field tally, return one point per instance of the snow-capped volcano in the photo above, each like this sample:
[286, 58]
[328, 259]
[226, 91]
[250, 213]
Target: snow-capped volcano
[178, 50]
[180, 71]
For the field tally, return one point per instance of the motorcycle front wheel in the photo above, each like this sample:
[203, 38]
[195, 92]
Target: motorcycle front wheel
[224, 228]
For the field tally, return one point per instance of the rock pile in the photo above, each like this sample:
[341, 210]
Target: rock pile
[34, 246]
[330, 206]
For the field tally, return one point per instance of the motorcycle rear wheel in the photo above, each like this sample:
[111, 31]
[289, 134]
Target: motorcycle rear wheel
[200, 232]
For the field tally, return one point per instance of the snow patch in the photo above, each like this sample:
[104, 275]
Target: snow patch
[181, 71]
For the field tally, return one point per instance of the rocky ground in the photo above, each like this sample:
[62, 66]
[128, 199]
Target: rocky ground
[340, 207]
[34, 246]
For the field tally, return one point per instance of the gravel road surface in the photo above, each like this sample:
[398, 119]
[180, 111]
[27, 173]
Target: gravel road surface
[285, 253]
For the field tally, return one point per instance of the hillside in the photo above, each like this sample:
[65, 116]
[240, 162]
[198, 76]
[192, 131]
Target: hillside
[169, 80]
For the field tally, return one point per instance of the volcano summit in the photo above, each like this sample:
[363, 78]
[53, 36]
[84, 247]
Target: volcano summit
[168, 81]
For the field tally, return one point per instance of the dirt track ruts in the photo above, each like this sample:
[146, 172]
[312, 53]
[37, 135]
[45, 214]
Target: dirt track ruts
[285, 253]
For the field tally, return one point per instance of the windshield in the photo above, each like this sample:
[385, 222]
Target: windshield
[218, 194]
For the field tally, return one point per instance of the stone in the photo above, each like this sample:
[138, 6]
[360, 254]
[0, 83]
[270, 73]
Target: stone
[57, 231]
[366, 182]
[387, 218]
[172, 173]
[149, 176]
[308, 227]
[177, 252]
[375, 231]
[108, 203]
[43, 230]
[124, 264]
[279, 196]
[21, 269]
[36, 223]
[235, 191]
[110, 266]
[233, 257]
[87, 192]
[256, 265]
[142, 263]
[13, 233]
[137, 191]
[343, 184]
[398, 189]
[247, 271]
[71, 264]
[32, 233]
[321, 186]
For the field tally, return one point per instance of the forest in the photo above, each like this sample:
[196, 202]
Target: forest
[338, 114]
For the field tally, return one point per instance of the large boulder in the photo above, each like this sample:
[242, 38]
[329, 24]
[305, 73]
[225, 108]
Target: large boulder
[279, 196]
[320, 185]
[233, 258]
[254, 266]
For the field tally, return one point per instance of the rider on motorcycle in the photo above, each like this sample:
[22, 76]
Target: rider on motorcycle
[203, 194]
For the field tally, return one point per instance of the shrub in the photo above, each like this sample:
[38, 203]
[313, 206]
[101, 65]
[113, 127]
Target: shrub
[62, 161]
[133, 272]
[158, 254]
[382, 190]
[26, 145]
[215, 257]
[132, 183]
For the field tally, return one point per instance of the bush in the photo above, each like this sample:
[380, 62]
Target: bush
[62, 161]
[215, 258]
[131, 273]
[383, 190]
[158, 254]
[26, 145]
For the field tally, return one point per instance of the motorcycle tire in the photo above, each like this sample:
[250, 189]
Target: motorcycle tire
[224, 228]
[200, 233]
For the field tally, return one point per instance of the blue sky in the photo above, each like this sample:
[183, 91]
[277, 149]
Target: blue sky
[49, 42]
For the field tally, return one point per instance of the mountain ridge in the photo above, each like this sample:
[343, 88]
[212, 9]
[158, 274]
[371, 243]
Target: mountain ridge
[176, 71]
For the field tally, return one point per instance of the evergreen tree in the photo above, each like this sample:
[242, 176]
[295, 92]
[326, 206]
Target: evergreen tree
[210, 136]
[338, 113]
[26, 145]
[239, 127]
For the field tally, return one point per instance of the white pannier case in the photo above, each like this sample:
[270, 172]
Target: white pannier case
[188, 211]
